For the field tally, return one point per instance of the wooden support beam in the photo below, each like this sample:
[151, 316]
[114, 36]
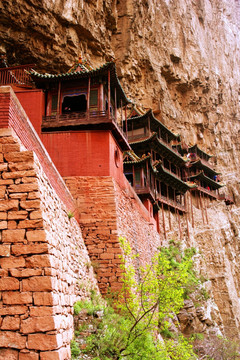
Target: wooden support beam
[88, 97]
[179, 225]
[201, 206]
[205, 206]
[115, 101]
[109, 94]
[126, 127]
[58, 99]
[164, 228]
[169, 212]
[191, 209]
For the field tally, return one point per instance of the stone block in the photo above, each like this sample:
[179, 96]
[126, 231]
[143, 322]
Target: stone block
[4, 250]
[38, 283]
[6, 205]
[44, 342]
[38, 261]
[30, 204]
[3, 216]
[13, 310]
[8, 354]
[106, 256]
[17, 215]
[37, 214]
[36, 235]
[9, 283]
[12, 339]
[16, 157]
[20, 196]
[12, 262]
[10, 323]
[45, 298]
[16, 298]
[33, 195]
[30, 224]
[18, 174]
[2, 191]
[11, 224]
[10, 148]
[29, 249]
[3, 166]
[37, 324]
[12, 236]
[28, 356]
[25, 272]
[6, 132]
[20, 166]
[22, 188]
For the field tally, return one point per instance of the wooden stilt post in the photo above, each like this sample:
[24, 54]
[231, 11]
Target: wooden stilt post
[169, 212]
[115, 101]
[58, 100]
[201, 206]
[179, 225]
[164, 228]
[109, 95]
[126, 127]
[121, 115]
[88, 97]
[186, 213]
[191, 209]
[205, 206]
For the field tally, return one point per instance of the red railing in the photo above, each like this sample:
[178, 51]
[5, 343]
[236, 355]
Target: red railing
[16, 75]
[171, 202]
[81, 118]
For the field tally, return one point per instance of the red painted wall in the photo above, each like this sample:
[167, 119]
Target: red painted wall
[78, 152]
[32, 102]
[75, 153]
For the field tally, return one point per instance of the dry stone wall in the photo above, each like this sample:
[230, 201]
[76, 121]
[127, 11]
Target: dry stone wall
[44, 265]
[106, 213]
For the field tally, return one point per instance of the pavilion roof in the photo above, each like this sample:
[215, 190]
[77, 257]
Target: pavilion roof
[200, 165]
[196, 149]
[207, 180]
[171, 179]
[161, 147]
[83, 71]
[155, 124]
[135, 159]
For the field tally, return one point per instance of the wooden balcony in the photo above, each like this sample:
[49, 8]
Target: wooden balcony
[212, 193]
[171, 203]
[93, 120]
[145, 191]
[16, 75]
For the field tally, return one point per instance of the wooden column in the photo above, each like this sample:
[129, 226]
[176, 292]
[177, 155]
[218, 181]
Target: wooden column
[179, 225]
[126, 127]
[58, 100]
[121, 115]
[101, 97]
[88, 97]
[164, 228]
[169, 212]
[191, 209]
[186, 209]
[205, 207]
[109, 95]
[201, 206]
[115, 101]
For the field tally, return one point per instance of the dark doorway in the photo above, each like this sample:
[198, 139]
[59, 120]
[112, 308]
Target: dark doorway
[74, 104]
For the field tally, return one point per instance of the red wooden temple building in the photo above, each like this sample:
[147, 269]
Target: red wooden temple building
[81, 118]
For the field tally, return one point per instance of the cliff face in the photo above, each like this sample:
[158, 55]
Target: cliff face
[181, 58]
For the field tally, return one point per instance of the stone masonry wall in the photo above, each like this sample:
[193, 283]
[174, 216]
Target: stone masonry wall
[44, 265]
[107, 212]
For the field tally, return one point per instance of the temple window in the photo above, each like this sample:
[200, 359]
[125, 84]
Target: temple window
[74, 103]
